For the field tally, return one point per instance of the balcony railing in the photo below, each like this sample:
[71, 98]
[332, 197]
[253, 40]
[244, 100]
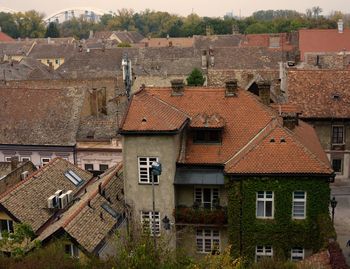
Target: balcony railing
[194, 215]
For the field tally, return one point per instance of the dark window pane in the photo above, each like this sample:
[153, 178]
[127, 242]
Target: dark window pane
[337, 165]
[89, 167]
[103, 167]
[268, 212]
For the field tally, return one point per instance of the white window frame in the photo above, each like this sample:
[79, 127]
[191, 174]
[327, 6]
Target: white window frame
[25, 157]
[199, 196]
[147, 222]
[265, 199]
[263, 251]
[73, 249]
[207, 236]
[8, 158]
[44, 163]
[8, 226]
[145, 170]
[297, 254]
[336, 126]
[299, 200]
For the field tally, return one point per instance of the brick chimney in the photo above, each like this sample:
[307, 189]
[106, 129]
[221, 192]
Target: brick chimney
[290, 120]
[264, 91]
[14, 162]
[231, 87]
[177, 86]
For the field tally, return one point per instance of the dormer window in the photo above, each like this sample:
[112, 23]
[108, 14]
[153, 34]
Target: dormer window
[207, 136]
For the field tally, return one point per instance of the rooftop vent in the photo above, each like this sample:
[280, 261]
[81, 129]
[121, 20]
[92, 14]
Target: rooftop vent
[24, 175]
[177, 86]
[231, 87]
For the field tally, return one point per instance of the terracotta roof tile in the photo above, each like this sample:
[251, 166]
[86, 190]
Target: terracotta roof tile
[4, 37]
[320, 93]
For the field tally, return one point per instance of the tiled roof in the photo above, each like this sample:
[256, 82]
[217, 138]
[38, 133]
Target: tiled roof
[168, 42]
[27, 200]
[323, 40]
[4, 37]
[203, 120]
[42, 51]
[148, 113]
[263, 40]
[40, 116]
[280, 152]
[247, 124]
[320, 93]
[216, 41]
[86, 221]
[5, 168]
[16, 48]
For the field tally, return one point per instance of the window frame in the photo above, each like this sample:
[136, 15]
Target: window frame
[299, 200]
[25, 157]
[202, 238]
[341, 165]
[44, 163]
[10, 227]
[148, 215]
[147, 166]
[8, 158]
[297, 255]
[101, 164]
[73, 250]
[213, 196]
[264, 200]
[264, 253]
[85, 164]
[333, 137]
[206, 133]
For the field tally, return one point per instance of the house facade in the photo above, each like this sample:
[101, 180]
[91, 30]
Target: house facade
[226, 162]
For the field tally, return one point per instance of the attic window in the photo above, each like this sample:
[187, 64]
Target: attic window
[73, 177]
[110, 210]
[283, 140]
[207, 136]
[272, 140]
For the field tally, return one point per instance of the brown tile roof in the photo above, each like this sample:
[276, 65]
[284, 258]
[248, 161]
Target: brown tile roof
[323, 40]
[42, 51]
[320, 93]
[5, 168]
[263, 40]
[86, 221]
[216, 41]
[27, 200]
[247, 124]
[40, 116]
[16, 48]
[165, 42]
[148, 113]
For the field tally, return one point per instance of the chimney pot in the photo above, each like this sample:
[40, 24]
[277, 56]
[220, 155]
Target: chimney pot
[231, 87]
[177, 86]
[264, 91]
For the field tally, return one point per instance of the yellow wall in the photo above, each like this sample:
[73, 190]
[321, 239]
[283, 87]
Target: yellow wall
[4, 216]
[53, 61]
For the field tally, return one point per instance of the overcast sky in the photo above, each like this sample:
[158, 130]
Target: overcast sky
[182, 7]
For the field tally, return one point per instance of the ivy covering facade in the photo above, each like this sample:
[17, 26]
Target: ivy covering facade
[282, 232]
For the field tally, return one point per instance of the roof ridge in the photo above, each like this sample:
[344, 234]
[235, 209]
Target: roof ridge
[32, 175]
[295, 139]
[93, 194]
[170, 105]
[251, 145]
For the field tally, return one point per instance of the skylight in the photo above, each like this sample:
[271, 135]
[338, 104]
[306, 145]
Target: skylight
[73, 177]
[110, 210]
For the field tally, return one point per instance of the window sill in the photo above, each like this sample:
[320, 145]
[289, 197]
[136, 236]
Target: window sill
[150, 184]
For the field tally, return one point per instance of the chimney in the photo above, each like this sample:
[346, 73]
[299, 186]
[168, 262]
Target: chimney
[204, 59]
[340, 26]
[177, 86]
[170, 44]
[208, 30]
[264, 91]
[290, 120]
[211, 56]
[231, 87]
[48, 40]
[14, 162]
[91, 34]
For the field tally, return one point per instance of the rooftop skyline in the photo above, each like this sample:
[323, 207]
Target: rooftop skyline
[181, 7]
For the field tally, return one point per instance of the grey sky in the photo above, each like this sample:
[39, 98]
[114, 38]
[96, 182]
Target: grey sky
[181, 7]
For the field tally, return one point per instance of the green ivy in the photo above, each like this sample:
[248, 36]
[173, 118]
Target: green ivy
[281, 232]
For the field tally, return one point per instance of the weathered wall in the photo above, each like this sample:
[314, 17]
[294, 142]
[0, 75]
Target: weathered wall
[110, 158]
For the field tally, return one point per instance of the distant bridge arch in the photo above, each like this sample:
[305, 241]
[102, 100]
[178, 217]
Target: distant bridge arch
[89, 13]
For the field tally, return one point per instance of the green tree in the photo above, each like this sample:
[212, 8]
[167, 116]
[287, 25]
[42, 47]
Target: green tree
[258, 28]
[196, 78]
[8, 24]
[52, 30]
[30, 24]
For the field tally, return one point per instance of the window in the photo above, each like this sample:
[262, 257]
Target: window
[8, 159]
[48, 61]
[206, 197]
[89, 166]
[145, 167]
[207, 240]
[264, 204]
[299, 204]
[45, 161]
[25, 159]
[207, 136]
[263, 252]
[337, 165]
[57, 61]
[147, 222]
[297, 254]
[6, 226]
[103, 167]
[73, 177]
[338, 134]
[72, 250]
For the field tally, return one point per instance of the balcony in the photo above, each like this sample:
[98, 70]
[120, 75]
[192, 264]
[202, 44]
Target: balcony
[199, 215]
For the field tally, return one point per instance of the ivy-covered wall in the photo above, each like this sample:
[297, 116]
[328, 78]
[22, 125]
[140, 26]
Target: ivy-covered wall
[281, 232]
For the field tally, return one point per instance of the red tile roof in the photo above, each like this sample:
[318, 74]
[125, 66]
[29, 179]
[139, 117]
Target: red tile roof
[323, 40]
[248, 127]
[203, 120]
[320, 93]
[4, 37]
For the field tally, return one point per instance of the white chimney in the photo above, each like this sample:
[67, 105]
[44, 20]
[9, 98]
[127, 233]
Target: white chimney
[340, 26]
